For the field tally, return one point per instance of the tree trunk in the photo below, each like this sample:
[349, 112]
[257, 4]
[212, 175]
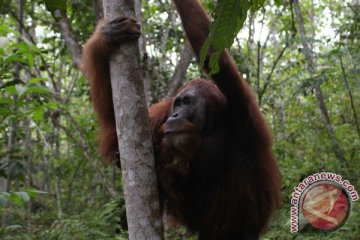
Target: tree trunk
[6, 181]
[58, 197]
[70, 40]
[180, 71]
[144, 56]
[132, 126]
[250, 44]
[311, 67]
[347, 85]
[98, 9]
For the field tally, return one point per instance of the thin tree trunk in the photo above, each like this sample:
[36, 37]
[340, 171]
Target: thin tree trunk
[350, 96]
[56, 141]
[312, 20]
[7, 180]
[180, 71]
[250, 44]
[282, 112]
[45, 183]
[29, 163]
[132, 126]
[311, 67]
[165, 37]
[138, 15]
[58, 197]
[70, 40]
[281, 100]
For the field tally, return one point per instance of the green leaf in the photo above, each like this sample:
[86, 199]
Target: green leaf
[23, 52]
[30, 59]
[38, 114]
[5, 100]
[19, 198]
[37, 90]
[11, 89]
[15, 58]
[256, 4]
[24, 196]
[4, 111]
[35, 80]
[56, 7]
[20, 46]
[4, 30]
[34, 193]
[278, 3]
[214, 66]
[230, 16]
[52, 105]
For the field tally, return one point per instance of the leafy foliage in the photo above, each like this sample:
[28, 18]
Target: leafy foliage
[57, 8]
[102, 224]
[229, 18]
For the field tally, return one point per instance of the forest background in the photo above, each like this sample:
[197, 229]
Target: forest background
[302, 59]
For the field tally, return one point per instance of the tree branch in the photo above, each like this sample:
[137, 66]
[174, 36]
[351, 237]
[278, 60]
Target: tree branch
[350, 95]
[70, 40]
[186, 56]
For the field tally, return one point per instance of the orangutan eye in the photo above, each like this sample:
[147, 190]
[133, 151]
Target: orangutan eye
[177, 102]
[186, 100]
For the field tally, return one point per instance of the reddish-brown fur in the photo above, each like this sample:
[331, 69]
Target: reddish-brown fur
[95, 65]
[222, 183]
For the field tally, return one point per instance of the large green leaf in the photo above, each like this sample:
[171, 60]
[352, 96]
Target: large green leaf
[230, 16]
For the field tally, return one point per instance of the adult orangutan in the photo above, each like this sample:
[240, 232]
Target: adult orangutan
[216, 170]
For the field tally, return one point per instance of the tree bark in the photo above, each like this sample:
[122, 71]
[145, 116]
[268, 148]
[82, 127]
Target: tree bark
[132, 126]
[144, 56]
[250, 44]
[58, 197]
[311, 67]
[180, 71]
[70, 40]
[6, 181]
[98, 9]
[347, 85]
